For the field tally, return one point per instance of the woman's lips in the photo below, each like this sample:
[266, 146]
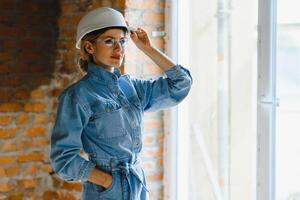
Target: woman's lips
[116, 57]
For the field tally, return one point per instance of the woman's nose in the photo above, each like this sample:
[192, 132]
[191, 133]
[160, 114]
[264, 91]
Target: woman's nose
[118, 46]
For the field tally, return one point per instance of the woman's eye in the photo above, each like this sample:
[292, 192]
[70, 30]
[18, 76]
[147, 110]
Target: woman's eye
[122, 41]
[109, 42]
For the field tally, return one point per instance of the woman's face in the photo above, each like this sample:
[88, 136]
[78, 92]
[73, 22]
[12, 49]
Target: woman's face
[108, 50]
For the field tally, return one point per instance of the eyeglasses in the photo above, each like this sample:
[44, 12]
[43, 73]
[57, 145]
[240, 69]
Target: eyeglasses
[112, 42]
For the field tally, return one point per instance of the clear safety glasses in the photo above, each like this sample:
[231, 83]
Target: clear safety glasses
[112, 42]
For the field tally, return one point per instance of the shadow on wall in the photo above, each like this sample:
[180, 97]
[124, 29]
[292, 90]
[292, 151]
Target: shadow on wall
[28, 49]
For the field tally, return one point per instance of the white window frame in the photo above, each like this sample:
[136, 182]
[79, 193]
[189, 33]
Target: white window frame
[266, 100]
[177, 13]
[170, 115]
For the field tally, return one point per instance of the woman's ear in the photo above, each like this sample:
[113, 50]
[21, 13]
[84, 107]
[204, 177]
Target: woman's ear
[89, 47]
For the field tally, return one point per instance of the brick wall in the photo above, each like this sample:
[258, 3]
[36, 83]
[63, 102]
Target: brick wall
[28, 35]
[37, 61]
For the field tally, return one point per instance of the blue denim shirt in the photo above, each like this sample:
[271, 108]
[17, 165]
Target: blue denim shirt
[102, 114]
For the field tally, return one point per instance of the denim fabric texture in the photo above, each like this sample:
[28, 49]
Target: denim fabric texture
[102, 114]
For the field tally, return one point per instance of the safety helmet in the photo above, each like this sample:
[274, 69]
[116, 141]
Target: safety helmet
[99, 18]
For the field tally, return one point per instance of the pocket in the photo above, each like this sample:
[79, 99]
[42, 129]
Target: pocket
[110, 188]
[111, 123]
[100, 189]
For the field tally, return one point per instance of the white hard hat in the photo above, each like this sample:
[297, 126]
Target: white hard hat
[99, 18]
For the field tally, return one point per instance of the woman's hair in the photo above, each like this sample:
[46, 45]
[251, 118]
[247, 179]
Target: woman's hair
[86, 57]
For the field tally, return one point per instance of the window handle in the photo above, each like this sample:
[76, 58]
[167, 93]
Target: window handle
[267, 101]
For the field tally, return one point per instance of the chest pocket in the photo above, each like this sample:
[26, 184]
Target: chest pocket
[109, 120]
[130, 93]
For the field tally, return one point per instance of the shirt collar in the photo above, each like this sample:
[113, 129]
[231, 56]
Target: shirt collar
[102, 74]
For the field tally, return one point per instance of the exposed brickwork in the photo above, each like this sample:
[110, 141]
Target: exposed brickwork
[29, 33]
[37, 61]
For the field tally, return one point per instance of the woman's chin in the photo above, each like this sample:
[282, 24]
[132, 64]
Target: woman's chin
[116, 64]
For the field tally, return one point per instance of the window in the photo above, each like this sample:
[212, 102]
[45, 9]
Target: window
[238, 129]
[288, 91]
[216, 142]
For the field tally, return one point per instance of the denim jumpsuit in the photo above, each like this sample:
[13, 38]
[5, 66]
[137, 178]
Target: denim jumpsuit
[102, 114]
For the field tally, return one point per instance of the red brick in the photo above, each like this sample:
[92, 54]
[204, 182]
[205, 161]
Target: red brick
[28, 183]
[2, 172]
[10, 107]
[34, 156]
[37, 94]
[41, 81]
[42, 143]
[32, 169]
[119, 4]
[68, 33]
[30, 7]
[12, 171]
[9, 44]
[5, 95]
[9, 146]
[68, 8]
[7, 159]
[10, 31]
[22, 119]
[7, 133]
[34, 132]
[35, 107]
[102, 3]
[29, 56]
[5, 120]
[21, 94]
[4, 68]
[16, 197]
[10, 81]
[6, 187]
[40, 119]
[38, 69]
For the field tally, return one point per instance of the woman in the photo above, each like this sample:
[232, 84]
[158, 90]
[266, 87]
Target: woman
[102, 112]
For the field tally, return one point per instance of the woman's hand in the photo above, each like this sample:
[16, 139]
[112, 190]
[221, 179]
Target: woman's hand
[141, 39]
[107, 182]
[101, 178]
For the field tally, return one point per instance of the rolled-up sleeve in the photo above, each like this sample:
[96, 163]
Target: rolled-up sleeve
[66, 140]
[164, 92]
